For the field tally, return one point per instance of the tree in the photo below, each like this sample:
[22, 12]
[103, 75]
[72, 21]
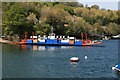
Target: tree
[15, 22]
[95, 6]
[42, 29]
[113, 29]
[74, 4]
[98, 29]
[6, 5]
[54, 3]
[79, 26]
[66, 8]
[80, 5]
[57, 18]
[78, 11]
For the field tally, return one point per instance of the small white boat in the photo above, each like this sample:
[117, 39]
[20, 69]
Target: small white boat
[117, 67]
[74, 59]
[117, 36]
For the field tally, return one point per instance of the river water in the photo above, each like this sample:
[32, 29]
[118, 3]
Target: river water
[54, 62]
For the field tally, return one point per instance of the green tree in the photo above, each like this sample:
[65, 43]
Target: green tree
[113, 29]
[15, 22]
[42, 29]
[79, 26]
[78, 11]
[95, 6]
[66, 8]
[74, 4]
[57, 18]
[98, 29]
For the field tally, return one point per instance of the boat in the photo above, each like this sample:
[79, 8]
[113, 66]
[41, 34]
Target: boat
[117, 67]
[74, 59]
[116, 37]
[53, 40]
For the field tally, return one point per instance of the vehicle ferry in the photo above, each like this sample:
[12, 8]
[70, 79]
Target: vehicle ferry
[54, 40]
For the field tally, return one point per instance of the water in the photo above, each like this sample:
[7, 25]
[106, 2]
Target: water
[54, 62]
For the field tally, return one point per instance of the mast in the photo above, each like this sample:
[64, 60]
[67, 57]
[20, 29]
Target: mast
[26, 36]
[82, 37]
[86, 36]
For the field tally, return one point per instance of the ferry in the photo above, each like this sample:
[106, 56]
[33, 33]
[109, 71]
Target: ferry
[53, 40]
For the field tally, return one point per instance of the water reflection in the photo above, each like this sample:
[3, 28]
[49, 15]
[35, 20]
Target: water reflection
[43, 48]
[35, 47]
[74, 63]
[118, 73]
[40, 48]
[24, 47]
[49, 48]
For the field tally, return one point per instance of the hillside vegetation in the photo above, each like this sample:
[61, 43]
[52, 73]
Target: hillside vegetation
[65, 18]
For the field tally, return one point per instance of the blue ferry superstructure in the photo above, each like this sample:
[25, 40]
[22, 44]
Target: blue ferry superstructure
[52, 40]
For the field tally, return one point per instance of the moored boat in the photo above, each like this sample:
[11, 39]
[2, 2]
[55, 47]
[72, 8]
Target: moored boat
[74, 59]
[117, 67]
[116, 37]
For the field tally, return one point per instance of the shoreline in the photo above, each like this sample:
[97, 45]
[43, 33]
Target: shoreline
[6, 41]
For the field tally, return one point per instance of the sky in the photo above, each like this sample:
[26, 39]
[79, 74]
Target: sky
[107, 4]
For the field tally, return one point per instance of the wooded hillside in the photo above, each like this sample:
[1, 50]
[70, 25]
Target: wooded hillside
[65, 18]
